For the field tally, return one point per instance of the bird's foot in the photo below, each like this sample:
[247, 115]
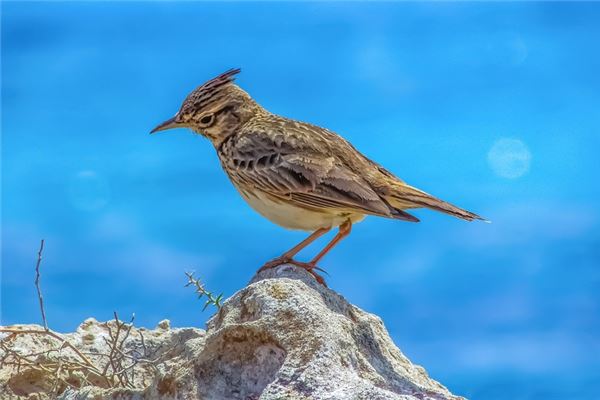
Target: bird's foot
[308, 266]
[276, 262]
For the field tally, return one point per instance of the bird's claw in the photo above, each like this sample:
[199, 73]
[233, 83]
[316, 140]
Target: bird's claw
[275, 263]
[309, 267]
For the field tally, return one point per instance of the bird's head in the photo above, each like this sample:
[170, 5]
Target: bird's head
[215, 109]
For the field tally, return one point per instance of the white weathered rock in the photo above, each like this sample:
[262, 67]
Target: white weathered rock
[283, 336]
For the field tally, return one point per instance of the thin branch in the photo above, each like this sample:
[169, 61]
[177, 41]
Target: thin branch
[37, 284]
[113, 345]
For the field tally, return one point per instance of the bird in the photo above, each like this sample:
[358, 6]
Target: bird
[298, 175]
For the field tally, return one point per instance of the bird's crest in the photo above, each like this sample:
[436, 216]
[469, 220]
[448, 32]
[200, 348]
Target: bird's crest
[223, 79]
[212, 89]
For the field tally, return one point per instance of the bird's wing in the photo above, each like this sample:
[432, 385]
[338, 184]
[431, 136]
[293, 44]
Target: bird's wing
[288, 167]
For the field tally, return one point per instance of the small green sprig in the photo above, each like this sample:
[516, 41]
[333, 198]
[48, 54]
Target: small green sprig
[201, 291]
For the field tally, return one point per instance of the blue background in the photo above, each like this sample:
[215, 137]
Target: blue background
[433, 91]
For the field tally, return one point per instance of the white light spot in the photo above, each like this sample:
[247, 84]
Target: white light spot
[88, 191]
[509, 158]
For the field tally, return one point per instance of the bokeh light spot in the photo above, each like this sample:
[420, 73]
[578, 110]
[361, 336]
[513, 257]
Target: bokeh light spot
[509, 158]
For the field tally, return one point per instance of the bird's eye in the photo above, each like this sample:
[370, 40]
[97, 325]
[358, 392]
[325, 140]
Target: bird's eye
[207, 119]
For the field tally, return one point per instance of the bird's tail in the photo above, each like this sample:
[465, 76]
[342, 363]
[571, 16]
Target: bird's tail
[404, 197]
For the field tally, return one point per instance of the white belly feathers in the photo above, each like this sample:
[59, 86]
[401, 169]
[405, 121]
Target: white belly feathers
[293, 217]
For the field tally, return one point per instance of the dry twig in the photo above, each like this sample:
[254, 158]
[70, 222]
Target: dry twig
[37, 284]
[124, 375]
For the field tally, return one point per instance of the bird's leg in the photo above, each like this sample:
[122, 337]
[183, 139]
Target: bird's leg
[310, 266]
[344, 231]
[287, 256]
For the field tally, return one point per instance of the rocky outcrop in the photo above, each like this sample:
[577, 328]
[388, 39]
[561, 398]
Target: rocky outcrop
[283, 336]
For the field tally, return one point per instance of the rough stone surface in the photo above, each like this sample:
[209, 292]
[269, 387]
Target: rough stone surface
[283, 336]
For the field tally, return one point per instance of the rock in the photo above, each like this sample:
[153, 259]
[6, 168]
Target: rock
[284, 336]
[164, 324]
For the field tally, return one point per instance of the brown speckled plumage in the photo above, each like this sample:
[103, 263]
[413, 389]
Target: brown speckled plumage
[298, 175]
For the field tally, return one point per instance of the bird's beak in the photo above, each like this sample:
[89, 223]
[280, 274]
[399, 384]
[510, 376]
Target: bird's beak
[168, 124]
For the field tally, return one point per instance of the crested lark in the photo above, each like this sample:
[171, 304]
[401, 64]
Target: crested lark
[297, 175]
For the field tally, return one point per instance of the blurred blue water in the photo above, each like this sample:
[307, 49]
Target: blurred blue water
[491, 106]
